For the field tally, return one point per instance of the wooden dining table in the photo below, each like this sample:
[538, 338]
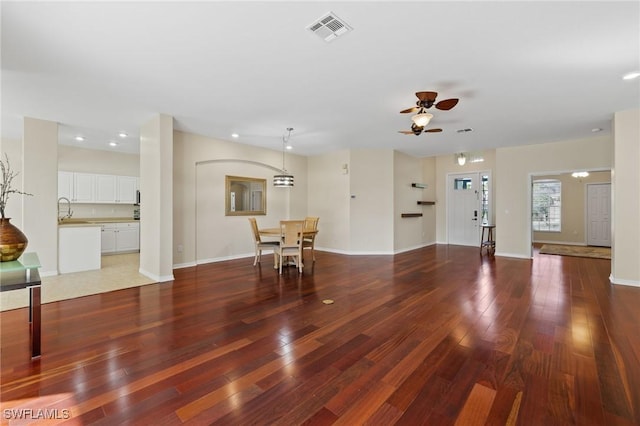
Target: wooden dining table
[277, 232]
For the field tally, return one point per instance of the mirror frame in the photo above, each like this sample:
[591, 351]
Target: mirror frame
[229, 181]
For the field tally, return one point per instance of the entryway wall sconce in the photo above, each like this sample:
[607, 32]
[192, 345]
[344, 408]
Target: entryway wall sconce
[461, 158]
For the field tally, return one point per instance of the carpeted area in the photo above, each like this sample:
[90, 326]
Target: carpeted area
[578, 251]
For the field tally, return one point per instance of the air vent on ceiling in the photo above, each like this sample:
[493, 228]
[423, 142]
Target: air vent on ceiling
[329, 27]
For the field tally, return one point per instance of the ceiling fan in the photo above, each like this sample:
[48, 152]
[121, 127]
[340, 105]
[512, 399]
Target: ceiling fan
[425, 101]
[418, 130]
[428, 99]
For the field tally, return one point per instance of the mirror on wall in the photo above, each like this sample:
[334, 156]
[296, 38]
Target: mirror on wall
[245, 196]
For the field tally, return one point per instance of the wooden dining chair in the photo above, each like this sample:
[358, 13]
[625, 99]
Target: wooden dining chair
[262, 245]
[291, 242]
[309, 241]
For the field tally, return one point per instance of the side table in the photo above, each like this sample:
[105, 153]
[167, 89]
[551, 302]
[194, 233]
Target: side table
[489, 243]
[23, 273]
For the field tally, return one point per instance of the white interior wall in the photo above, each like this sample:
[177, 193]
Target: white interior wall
[156, 207]
[191, 149]
[329, 199]
[429, 194]
[371, 202]
[212, 224]
[40, 172]
[514, 168]
[13, 150]
[408, 233]
[625, 268]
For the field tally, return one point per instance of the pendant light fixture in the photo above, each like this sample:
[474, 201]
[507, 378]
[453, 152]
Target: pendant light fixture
[422, 118]
[284, 180]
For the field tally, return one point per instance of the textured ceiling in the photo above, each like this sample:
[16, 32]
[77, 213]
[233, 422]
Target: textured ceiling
[525, 72]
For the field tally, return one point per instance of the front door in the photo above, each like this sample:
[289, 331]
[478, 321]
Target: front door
[464, 216]
[599, 214]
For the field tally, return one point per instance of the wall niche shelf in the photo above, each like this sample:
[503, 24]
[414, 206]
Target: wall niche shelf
[411, 215]
[426, 203]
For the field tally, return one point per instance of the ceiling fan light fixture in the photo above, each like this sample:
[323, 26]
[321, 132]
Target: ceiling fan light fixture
[422, 119]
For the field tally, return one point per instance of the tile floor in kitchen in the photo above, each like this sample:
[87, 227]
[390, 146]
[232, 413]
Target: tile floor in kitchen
[118, 271]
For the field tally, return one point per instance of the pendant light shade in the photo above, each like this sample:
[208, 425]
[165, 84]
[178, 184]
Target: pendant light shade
[422, 119]
[284, 180]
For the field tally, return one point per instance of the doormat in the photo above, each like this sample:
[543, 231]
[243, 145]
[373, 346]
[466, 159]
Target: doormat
[578, 251]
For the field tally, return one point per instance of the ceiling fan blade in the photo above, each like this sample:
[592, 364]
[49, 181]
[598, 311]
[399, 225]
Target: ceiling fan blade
[447, 104]
[405, 132]
[433, 130]
[427, 96]
[412, 109]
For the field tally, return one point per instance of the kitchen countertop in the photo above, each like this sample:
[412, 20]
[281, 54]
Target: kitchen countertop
[94, 221]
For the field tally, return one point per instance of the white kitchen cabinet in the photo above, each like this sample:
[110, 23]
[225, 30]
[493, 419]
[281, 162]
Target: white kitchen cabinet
[83, 188]
[108, 239]
[120, 237]
[127, 186]
[128, 237]
[106, 188]
[65, 185]
[97, 188]
[78, 248]
[77, 187]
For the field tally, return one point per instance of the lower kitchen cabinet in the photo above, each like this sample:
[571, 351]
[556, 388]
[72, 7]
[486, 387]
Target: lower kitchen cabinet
[120, 237]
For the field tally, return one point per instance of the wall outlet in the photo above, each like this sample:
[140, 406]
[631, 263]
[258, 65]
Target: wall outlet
[180, 248]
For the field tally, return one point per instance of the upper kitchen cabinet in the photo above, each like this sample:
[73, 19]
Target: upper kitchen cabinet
[127, 186]
[83, 188]
[106, 187]
[65, 185]
[97, 188]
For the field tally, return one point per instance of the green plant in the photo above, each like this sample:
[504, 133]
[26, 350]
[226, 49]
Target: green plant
[5, 184]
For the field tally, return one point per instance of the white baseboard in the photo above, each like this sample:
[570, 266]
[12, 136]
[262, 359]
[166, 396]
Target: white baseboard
[223, 258]
[184, 265]
[515, 255]
[620, 281]
[156, 278]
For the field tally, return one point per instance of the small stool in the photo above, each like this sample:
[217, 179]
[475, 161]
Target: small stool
[489, 243]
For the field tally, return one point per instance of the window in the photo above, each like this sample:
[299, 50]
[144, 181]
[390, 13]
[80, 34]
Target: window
[484, 187]
[546, 206]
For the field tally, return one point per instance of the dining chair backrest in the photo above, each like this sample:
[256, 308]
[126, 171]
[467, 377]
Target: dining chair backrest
[254, 228]
[291, 231]
[311, 223]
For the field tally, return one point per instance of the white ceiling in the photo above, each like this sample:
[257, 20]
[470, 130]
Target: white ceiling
[525, 72]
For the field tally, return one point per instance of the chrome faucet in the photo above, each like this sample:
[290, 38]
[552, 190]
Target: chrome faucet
[69, 212]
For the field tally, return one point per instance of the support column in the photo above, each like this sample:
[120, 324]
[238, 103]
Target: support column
[156, 198]
[40, 177]
[625, 180]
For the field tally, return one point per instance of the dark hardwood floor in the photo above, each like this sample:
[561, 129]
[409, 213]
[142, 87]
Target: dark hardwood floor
[435, 336]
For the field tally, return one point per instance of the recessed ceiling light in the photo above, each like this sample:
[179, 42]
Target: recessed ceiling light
[235, 135]
[289, 147]
[596, 129]
[112, 143]
[122, 134]
[79, 138]
[631, 75]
